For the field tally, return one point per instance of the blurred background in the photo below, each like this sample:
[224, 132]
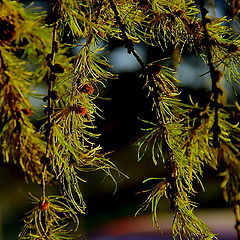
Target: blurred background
[110, 207]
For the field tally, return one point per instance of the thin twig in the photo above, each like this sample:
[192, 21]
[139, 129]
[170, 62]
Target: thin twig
[90, 37]
[212, 70]
[78, 74]
[128, 42]
[49, 112]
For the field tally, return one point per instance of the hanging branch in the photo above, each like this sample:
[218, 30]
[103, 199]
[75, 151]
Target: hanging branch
[216, 92]
[50, 107]
[215, 75]
[88, 40]
[73, 146]
[128, 42]
[163, 89]
[52, 215]
[15, 82]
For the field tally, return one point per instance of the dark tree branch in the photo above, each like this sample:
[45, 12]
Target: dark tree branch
[213, 73]
[128, 42]
[49, 112]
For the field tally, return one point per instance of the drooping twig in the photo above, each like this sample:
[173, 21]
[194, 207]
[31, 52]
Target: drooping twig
[128, 42]
[215, 91]
[49, 108]
[90, 37]
[170, 162]
[78, 74]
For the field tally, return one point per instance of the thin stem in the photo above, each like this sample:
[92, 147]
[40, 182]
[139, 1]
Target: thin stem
[49, 112]
[130, 46]
[90, 37]
[207, 41]
[78, 74]
[212, 70]
[128, 42]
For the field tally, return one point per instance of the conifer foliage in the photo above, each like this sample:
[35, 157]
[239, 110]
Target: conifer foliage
[184, 137]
